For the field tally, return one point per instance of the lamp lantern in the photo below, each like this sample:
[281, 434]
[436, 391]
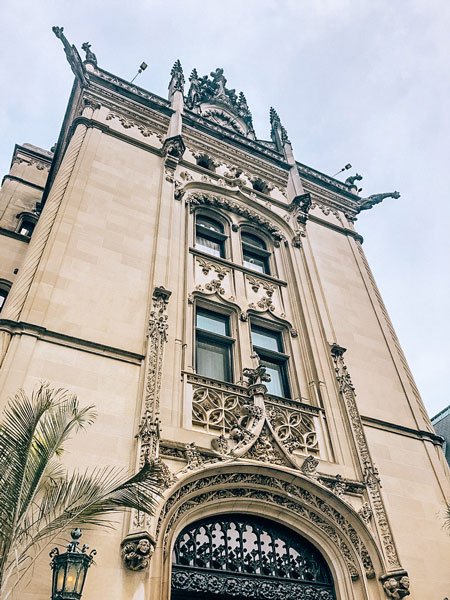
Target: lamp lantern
[70, 569]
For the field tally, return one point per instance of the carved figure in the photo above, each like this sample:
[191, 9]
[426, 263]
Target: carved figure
[220, 81]
[309, 466]
[194, 93]
[351, 180]
[370, 201]
[397, 588]
[136, 554]
[193, 457]
[90, 56]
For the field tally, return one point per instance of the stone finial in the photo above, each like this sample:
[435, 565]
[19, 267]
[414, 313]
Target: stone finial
[370, 201]
[90, 56]
[177, 80]
[258, 374]
[194, 94]
[277, 132]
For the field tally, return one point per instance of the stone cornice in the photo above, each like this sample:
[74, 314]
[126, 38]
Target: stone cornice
[62, 339]
[23, 181]
[403, 430]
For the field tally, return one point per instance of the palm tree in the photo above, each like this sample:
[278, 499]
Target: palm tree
[39, 498]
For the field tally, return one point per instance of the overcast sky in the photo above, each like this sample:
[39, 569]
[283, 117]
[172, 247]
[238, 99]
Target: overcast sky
[359, 81]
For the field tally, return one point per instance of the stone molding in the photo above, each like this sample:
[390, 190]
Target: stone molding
[207, 489]
[369, 471]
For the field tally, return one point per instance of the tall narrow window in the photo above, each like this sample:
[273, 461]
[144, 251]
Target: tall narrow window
[255, 253]
[210, 236]
[213, 345]
[268, 344]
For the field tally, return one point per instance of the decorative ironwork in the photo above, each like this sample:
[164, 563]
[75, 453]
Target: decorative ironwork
[248, 557]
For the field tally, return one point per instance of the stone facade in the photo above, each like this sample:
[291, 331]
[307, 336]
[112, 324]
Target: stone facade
[154, 214]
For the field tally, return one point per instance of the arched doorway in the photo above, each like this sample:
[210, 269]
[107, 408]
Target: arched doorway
[245, 557]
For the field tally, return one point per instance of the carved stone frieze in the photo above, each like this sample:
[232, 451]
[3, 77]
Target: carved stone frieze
[128, 121]
[276, 492]
[370, 473]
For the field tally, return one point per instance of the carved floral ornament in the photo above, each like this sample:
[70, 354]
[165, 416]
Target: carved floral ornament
[198, 198]
[302, 502]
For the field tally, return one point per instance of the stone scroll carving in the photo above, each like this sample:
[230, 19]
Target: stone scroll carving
[370, 472]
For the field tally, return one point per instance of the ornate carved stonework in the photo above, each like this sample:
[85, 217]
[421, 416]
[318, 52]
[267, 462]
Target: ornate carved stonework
[370, 473]
[365, 512]
[396, 586]
[293, 427]
[172, 150]
[279, 493]
[309, 467]
[195, 198]
[300, 207]
[367, 203]
[211, 97]
[136, 551]
[128, 121]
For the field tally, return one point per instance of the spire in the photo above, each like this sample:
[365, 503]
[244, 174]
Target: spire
[176, 80]
[277, 132]
[280, 138]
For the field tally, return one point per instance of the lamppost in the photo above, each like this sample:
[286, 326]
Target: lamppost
[70, 568]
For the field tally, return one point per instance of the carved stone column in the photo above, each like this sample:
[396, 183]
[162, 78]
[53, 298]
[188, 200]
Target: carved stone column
[370, 473]
[148, 433]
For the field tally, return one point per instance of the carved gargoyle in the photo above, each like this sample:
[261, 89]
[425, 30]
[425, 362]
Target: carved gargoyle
[90, 56]
[397, 587]
[72, 55]
[351, 180]
[370, 201]
[137, 551]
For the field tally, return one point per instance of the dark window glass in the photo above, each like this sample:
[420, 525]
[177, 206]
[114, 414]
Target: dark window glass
[26, 228]
[255, 253]
[210, 236]
[268, 344]
[213, 345]
[3, 296]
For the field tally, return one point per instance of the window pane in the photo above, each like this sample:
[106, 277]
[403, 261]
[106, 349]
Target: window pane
[255, 263]
[267, 339]
[209, 246]
[210, 224]
[213, 360]
[248, 238]
[3, 295]
[213, 322]
[275, 386]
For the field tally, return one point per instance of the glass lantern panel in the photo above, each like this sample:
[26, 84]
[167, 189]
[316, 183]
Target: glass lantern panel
[71, 576]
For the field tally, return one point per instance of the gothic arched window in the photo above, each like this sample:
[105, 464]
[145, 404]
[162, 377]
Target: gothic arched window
[210, 235]
[247, 557]
[255, 254]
